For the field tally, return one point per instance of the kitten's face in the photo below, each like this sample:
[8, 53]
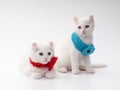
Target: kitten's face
[42, 54]
[85, 26]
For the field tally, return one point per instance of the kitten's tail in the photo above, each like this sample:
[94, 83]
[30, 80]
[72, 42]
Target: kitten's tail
[99, 65]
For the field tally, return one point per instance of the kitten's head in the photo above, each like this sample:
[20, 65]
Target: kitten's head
[42, 54]
[85, 26]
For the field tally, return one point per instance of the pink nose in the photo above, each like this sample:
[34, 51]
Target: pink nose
[83, 32]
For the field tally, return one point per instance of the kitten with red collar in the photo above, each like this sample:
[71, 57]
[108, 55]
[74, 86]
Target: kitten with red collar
[40, 62]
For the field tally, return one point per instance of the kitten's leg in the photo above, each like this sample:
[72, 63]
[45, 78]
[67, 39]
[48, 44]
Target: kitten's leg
[74, 57]
[87, 64]
[81, 63]
[36, 75]
[29, 71]
[62, 69]
[61, 65]
[50, 74]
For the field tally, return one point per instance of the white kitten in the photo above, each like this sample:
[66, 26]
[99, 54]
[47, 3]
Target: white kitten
[69, 58]
[40, 62]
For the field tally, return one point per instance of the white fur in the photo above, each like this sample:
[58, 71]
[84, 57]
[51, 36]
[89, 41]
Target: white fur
[69, 58]
[34, 72]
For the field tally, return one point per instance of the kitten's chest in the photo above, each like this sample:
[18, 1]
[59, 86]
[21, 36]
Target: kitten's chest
[39, 70]
[87, 40]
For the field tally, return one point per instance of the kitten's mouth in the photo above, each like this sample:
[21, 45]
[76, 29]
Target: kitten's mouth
[45, 61]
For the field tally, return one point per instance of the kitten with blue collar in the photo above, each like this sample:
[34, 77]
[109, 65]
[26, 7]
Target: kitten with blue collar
[74, 51]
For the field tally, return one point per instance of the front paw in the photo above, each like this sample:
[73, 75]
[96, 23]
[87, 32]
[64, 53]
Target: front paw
[50, 74]
[62, 69]
[36, 76]
[90, 70]
[75, 71]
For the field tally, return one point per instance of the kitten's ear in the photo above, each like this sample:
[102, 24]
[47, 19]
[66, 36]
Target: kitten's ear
[35, 46]
[51, 44]
[76, 20]
[91, 18]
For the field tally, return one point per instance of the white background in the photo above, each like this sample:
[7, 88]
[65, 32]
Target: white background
[25, 21]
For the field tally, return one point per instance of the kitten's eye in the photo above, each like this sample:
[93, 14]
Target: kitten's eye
[87, 26]
[49, 53]
[41, 54]
[79, 27]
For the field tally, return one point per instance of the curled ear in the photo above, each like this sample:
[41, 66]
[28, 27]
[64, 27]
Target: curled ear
[91, 18]
[76, 20]
[51, 44]
[35, 46]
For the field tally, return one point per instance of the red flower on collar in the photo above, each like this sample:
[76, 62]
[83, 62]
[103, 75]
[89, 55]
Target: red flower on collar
[49, 65]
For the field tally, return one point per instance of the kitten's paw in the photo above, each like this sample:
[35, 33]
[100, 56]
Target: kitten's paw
[62, 69]
[50, 75]
[82, 68]
[90, 70]
[75, 71]
[36, 76]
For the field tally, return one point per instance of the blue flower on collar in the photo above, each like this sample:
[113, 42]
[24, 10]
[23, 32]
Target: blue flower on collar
[81, 46]
[88, 50]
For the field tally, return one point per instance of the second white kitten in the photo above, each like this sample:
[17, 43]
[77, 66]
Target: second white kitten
[70, 58]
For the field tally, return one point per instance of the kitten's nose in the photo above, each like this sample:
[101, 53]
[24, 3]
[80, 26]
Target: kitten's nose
[83, 32]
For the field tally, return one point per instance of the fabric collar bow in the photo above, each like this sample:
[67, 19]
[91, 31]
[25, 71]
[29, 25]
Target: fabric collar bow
[49, 65]
[81, 46]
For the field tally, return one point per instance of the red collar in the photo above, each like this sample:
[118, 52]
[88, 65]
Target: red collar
[49, 65]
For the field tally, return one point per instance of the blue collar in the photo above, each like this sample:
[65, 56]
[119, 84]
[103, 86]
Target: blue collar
[81, 46]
